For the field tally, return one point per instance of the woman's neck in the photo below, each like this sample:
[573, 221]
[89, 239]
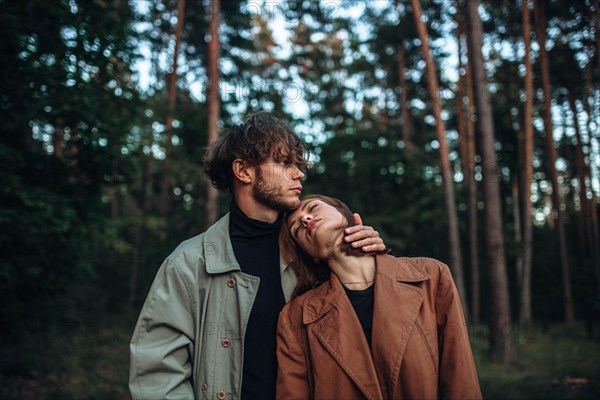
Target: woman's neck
[355, 273]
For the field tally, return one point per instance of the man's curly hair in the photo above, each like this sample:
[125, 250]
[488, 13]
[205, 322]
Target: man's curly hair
[260, 136]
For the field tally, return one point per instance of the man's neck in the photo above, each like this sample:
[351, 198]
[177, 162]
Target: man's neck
[255, 210]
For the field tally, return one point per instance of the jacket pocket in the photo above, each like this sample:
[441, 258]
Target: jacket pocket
[432, 355]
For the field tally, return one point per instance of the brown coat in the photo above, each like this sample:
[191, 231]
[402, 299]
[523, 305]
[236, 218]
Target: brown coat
[420, 345]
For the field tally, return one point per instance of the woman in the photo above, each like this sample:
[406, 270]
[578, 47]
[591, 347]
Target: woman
[377, 327]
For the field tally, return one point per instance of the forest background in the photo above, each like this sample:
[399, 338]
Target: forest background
[462, 131]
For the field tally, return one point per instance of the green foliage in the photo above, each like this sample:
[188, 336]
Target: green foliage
[44, 235]
[83, 144]
[548, 362]
[374, 177]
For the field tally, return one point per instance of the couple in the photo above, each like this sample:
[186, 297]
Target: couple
[377, 327]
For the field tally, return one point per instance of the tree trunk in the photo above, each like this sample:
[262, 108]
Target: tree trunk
[58, 139]
[445, 165]
[569, 154]
[466, 124]
[527, 226]
[472, 205]
[165, 198]
[581, 167]
[540, 9]
[172, 78]
[501, 343]
[138, 234]
[589, 95]
[597, 25]
[519, 191]
[586, 204]
[404, 106]
[113, 192]
[517, 220]
[214, 104]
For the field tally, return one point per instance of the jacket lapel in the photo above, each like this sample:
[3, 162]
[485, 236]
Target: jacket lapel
[218, 250]
[338, 329]
[220, 259]
[397, 304]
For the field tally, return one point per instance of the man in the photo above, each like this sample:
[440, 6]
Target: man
[207, 328]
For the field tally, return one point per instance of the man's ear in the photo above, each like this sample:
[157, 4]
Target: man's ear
[242, 171]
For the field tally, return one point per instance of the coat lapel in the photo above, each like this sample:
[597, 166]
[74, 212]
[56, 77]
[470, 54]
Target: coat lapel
[335, 324]
[397, 304]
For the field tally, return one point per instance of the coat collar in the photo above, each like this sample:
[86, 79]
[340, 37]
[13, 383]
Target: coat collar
[218, 250]
[331, 318]
[220, 259]
[391, 268]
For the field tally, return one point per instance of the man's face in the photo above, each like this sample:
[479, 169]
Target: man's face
[278, 185]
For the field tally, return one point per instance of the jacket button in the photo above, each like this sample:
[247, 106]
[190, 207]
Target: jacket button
[226, 342]
[231, 282]
[204, 386]
[221, 395]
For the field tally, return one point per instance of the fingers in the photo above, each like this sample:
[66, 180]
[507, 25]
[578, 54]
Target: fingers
[364, 237]
[374, 248]
[369, 244]
[360, 232]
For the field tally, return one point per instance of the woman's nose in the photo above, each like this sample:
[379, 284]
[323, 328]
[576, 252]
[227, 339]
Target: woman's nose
[306, 219]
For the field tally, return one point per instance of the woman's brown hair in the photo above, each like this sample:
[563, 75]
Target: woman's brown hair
[310, 272]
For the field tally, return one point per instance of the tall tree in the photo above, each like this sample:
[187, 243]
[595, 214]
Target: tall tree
[404, 103]
[541, 26]
[466, 128]
[527, 175]
[213, 102]
[584, 202]
[164, 202]
[501, 343]
[445, 165]
[597, 29]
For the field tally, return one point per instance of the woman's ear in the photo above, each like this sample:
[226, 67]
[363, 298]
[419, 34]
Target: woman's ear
[242, 171]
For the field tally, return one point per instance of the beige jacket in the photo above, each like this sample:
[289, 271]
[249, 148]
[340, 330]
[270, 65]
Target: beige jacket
[188, 341]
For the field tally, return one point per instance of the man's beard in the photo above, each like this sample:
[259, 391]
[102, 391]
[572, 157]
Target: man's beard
[271, 196]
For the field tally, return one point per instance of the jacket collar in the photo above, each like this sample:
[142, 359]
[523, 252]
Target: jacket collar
[391, 268]
[371, 369]
[218, 250]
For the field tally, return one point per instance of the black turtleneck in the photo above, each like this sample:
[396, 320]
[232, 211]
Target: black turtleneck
[363, 301]
[257, 251]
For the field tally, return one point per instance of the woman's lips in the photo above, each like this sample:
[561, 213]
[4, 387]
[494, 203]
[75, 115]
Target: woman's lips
[311, 226]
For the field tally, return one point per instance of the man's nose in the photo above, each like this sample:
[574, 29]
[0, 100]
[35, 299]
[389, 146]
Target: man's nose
[296, 174]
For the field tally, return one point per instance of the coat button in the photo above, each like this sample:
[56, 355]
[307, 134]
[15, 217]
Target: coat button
[231, 282]
[226, 342]
[221, 395]
[204, 386]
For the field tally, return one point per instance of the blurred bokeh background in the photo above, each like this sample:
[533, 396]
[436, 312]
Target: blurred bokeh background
[460, 130]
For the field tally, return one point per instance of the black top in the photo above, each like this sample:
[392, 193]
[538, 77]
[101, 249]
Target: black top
[362, 301]
[256, 249]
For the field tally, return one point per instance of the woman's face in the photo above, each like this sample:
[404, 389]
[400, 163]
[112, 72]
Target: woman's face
[317, 228]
